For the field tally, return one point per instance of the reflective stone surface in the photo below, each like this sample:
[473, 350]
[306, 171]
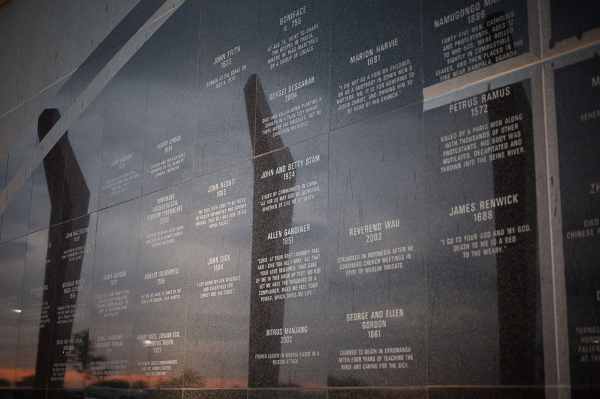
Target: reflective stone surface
[226, 63]
[287, 331]
[378, 278]
[461, 36]
[171, 85]
[261, 204]
[577, 91]
[34, 319]
[13, 259]
[113, 295]
[218, 288]
[158, 292]
[293, 70]
[376, 64]
[568, 21]
[483, 264]
[69, 263]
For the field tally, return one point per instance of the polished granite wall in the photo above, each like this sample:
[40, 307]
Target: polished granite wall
[301, 199]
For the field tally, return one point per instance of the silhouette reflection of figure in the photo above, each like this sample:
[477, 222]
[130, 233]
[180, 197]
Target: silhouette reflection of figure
[264, 316]
[69, 199]
[519, 311]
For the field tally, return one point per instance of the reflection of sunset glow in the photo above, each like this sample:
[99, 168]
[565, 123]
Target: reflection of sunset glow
[75, 379]
[8, 374]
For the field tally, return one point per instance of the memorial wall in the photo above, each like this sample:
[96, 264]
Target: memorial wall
[312, 199]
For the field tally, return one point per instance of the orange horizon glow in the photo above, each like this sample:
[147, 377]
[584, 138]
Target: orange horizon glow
[75, 379]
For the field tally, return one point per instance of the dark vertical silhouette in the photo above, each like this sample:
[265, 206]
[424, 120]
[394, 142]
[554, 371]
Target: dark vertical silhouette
[519, 301]
[267, 315]
[69, 198]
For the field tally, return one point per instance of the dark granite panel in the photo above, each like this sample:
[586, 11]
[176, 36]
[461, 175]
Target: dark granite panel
[65, 184]
[3, 177]
[34, 320]
[289, 258]
[83, 166]
[219, 257]
[125, 126]
[376, 62]
[462, 36]
[112, 298]
[577, 91]
[158, 291]
[12, 259]
[69, 269]
[483, 265]
[168, 63]
[569, 21]
[22, 130]
[228, 53]
[48, 179]
[293, 70]
[16, 216]
[378, 283]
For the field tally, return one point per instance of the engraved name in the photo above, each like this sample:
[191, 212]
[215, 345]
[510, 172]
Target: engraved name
[498, 202]
[471, 102]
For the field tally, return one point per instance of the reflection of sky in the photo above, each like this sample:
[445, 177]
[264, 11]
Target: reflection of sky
[162, 93]
[11, 259]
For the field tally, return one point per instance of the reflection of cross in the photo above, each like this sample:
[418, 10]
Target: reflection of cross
[94, 75]
[264, 316]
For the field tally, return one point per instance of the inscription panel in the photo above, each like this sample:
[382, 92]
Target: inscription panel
[113, 293]
[483, 257]
[70, 260]
[227, 62]
[288, 285]
[294, 71]
[219, 255]
[162, 270]
[123, 135]
[462, 36]
[376, 62]
[34, 320]
[172, 119]
[378, 283]
[577, 90]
